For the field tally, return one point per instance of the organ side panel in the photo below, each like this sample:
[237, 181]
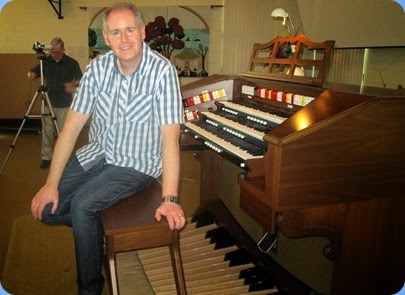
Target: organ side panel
[343, 180]
[352, 156]
[371, 260]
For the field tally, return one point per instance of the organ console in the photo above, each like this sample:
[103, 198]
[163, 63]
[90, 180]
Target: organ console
[319, 159]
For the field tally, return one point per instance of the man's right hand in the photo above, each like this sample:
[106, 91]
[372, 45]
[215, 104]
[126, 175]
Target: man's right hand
[45, 196]
[31, 75]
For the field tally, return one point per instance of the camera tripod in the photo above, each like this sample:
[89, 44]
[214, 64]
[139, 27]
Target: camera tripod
[42, 91]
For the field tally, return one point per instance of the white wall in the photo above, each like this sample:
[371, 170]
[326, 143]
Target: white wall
[234, 28]
[354, 23]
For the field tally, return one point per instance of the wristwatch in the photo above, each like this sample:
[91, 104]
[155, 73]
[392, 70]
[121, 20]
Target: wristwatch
[170, 199]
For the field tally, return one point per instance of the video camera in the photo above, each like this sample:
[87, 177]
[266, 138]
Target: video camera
[40, 47]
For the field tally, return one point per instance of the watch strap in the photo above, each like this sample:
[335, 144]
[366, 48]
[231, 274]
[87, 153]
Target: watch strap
[170, 199]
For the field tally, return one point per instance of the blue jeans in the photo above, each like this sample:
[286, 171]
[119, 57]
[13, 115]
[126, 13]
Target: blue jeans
[82, 195]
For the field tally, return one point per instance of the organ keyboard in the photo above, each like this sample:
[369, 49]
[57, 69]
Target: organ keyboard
[330, 165]
[215, 262]
[254, 114]
[237, 128]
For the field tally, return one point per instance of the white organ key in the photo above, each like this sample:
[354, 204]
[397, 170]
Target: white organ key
[254, 112]
[214, 140]
[244, 129]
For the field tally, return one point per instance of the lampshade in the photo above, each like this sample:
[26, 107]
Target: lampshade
[279, 12]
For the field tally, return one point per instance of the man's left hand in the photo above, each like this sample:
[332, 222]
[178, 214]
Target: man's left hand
[174, 215]
[70, 87]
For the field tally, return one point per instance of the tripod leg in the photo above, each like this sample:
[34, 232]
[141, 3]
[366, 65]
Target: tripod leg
[12, 146]
[48, 102]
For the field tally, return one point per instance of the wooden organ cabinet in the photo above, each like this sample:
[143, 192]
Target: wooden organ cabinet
[333, 159]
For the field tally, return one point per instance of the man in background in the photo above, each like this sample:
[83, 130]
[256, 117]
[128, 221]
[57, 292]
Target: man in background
[62, 74]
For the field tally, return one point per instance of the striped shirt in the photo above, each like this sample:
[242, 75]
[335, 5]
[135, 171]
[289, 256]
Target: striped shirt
[127, 111]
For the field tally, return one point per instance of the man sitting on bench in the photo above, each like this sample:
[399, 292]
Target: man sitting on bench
[133, 97]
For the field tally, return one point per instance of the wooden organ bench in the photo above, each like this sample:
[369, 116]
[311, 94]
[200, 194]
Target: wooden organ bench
[131, 225]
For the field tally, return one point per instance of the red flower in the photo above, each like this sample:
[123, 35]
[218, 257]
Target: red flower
[179, 31]
[166, 40]
[173, 22]
[178, 44]
[160, 22]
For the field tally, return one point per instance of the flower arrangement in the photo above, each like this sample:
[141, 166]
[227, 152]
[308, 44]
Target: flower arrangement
[284, 50]
[165, 38]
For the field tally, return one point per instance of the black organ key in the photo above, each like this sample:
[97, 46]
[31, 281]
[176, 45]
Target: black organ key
[202, 219]
[257, 279]
[239, 256]
[220, 237]
[253, 274]
[261, 285]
